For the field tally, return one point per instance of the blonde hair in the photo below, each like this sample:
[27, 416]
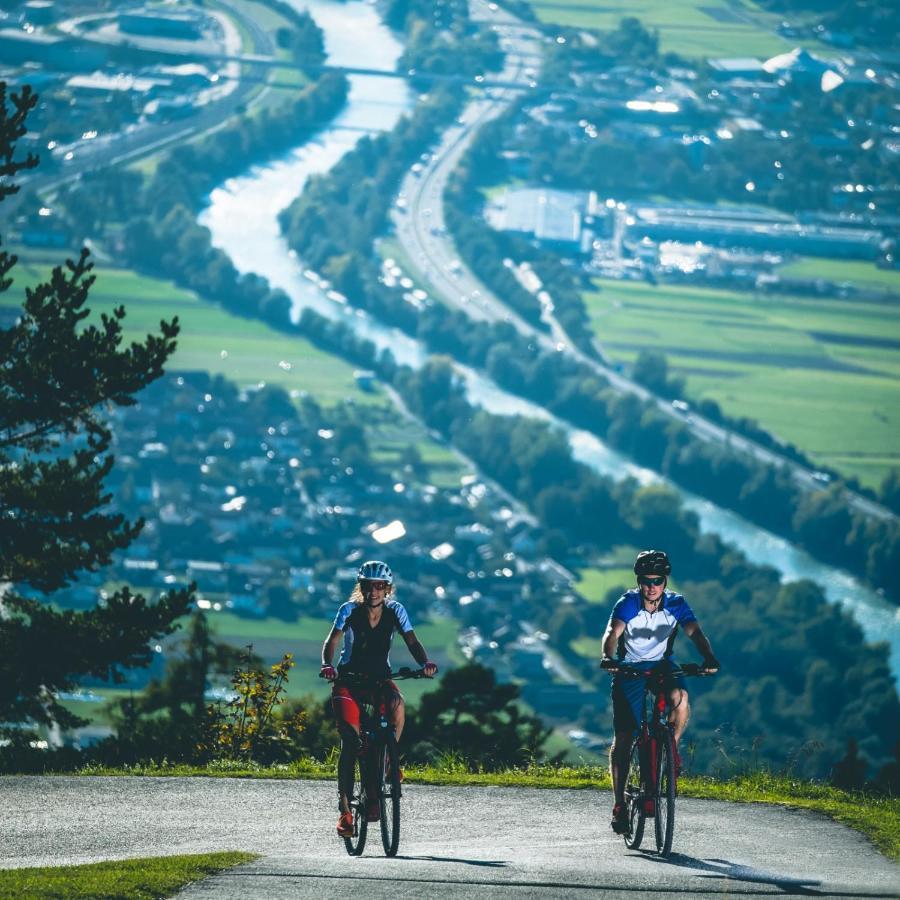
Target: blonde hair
[356, 595]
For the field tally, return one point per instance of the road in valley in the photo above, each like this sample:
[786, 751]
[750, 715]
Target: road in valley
[482, 842]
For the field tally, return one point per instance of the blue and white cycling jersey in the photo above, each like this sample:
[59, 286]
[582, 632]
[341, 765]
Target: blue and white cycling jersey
[648, 636]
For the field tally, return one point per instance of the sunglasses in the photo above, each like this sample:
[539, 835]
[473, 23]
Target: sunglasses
[374, 585]
[656, 582]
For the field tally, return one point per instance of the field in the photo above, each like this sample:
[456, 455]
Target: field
[595, 584]
[860, 274]
[691, 28]
[823, 374]
[245, 350]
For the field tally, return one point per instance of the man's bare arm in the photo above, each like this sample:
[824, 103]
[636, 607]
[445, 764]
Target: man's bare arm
[611, 637]
[701, 642]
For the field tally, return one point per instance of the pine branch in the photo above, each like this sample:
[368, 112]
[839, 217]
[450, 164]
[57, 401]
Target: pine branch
[12, 127]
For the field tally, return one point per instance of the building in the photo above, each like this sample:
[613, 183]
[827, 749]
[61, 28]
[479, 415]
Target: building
[172, 25]
[760, 230]
[746, 68]
[551, 217]
[103, 85]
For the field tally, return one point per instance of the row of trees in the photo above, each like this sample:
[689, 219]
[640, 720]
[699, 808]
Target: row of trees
[869, 22]
[442, 39]
[332, 225]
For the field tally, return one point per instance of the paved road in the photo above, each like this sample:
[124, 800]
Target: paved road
[480, 842]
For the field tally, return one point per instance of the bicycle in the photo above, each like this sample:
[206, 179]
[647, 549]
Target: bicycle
[379, 746]
[651, 784]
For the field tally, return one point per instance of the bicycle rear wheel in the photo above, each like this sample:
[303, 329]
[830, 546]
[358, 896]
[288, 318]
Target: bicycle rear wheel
[390, 796]
[634, 798]
[665, 793]
[358, 802]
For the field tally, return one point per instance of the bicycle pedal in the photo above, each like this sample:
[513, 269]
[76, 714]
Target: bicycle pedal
[649, 808]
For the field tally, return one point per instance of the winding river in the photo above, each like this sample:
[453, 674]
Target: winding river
[242, 217]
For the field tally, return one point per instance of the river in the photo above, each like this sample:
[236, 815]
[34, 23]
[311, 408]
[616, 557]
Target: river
[242, 217]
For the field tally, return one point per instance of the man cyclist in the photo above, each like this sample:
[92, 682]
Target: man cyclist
[641, 632]
[366, 623]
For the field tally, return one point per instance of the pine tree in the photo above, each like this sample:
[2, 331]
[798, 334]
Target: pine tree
[59, 373]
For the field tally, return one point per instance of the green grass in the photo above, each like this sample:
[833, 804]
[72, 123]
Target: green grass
[247, 351]
[692, 28]
[127, 879]
[389, 440]
[97, 713]
[822, 374]
[595, 584]
[875, 816]
[856, 272]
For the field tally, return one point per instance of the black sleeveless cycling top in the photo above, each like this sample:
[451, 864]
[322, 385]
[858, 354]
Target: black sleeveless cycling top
[366, 649]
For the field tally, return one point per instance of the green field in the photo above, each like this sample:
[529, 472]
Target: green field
[692, 28]
[822, 374]
[855, 272]
[245, 350]
[595, 584]
[390, 441]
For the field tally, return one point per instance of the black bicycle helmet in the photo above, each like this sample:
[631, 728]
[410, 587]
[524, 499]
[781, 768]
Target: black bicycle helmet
[652, 562]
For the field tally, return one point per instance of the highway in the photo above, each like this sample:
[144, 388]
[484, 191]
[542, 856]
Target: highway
[421, 229]
[459, 841]
[144, 138]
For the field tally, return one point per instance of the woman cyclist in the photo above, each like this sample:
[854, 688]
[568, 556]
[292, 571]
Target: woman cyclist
[366, 624]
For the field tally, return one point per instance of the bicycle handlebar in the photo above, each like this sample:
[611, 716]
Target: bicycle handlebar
[687, 669]
[361, 678]
[406, 672]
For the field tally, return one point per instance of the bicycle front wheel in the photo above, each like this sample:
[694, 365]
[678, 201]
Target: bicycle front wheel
[634, 799]
[665, 793]
[355, 844]
[390, 796]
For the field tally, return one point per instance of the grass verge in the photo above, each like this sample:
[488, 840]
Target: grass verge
[877, 817]
[126, 879]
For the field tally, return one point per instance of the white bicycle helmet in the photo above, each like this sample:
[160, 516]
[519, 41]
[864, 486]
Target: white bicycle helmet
[375, 570]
